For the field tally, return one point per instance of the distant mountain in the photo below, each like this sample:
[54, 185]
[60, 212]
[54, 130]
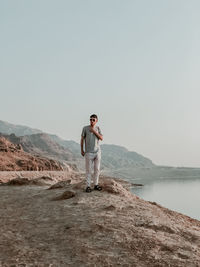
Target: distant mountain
[117, 161]
[14, 158]
[41, 144]
[18, 130]
[69, 144]
[114, 158]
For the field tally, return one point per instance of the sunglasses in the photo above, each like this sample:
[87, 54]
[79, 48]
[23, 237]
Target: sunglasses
[92, 119]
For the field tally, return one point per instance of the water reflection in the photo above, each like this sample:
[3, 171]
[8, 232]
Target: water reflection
[182, 195]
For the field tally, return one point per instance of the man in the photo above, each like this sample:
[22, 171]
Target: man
[91, 135]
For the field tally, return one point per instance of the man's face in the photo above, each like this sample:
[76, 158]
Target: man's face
[93, 121]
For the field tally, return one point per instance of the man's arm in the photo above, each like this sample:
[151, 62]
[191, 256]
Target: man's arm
[82, 142]
[99, 136]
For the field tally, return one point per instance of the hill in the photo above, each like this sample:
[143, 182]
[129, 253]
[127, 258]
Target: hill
[42, 144]
[116, 157]
[19, 130]
[13, 157]
[113, 157]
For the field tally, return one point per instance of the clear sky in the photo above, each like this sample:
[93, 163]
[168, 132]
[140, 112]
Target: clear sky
[135, 63]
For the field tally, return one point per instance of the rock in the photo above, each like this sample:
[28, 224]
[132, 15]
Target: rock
[44, 180]
[60, 184]
[65, 195]
[25, 181]
[110, 207]
[18, 181]
[114, 187]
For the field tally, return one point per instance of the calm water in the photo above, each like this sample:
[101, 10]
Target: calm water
[182, 195]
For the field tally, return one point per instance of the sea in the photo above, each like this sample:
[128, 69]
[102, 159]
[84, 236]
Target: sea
[181, 195]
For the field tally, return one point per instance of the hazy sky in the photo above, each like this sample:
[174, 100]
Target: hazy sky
[136, 63]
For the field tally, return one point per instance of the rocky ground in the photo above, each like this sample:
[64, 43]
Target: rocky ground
[47, 219]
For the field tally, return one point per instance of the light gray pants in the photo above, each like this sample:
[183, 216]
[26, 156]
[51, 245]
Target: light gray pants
[90, 159]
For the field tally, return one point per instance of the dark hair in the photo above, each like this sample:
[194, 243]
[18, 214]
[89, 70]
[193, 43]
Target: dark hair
[94, 116]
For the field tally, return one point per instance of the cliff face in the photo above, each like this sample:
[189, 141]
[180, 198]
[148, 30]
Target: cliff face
[64, 226]
[13, 157]
[42, 145]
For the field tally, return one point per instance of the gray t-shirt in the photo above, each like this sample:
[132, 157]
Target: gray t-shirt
[91, 141]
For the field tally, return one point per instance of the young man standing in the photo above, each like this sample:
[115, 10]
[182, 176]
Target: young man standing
[91, 135]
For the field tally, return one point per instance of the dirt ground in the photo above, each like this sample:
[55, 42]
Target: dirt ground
[65, 226]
